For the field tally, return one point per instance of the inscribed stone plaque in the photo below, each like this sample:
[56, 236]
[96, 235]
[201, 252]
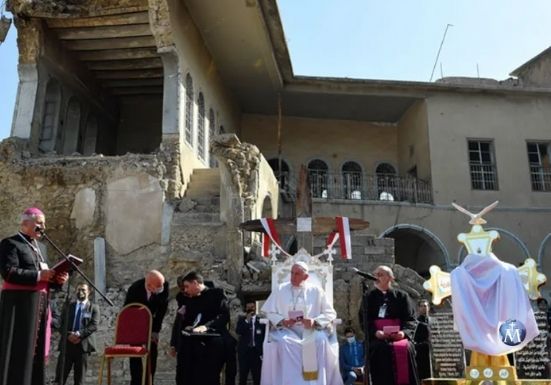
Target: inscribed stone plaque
[447, 353]
[532, 361]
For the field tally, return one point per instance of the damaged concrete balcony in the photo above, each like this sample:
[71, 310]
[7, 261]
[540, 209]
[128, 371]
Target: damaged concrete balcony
[91, 77]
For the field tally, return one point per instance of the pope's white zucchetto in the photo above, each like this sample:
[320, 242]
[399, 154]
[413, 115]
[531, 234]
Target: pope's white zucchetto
[302, 265]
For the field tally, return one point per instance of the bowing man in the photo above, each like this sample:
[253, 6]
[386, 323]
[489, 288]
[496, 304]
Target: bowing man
[151, 291]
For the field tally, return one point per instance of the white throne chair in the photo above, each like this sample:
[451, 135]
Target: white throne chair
[320, 273]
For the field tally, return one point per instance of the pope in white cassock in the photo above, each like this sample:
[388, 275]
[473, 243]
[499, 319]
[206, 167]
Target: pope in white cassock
[303, 348]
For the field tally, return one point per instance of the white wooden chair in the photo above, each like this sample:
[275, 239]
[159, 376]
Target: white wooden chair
[320, 273]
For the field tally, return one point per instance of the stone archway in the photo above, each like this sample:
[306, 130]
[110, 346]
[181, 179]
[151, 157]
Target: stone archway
[417, 248]
[541, 250]
[72, 127]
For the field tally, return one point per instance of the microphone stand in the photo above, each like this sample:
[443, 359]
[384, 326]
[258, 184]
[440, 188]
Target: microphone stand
[65, 310]
[365, 290]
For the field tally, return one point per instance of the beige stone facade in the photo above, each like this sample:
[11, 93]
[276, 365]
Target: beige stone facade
[121, 110]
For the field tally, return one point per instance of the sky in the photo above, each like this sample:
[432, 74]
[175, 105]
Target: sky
[384, 39]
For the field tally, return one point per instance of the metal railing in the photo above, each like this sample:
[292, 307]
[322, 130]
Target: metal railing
[541, 178]
[360, 186]
[483, 177]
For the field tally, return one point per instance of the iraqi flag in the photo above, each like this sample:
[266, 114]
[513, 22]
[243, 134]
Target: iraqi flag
[270, 235]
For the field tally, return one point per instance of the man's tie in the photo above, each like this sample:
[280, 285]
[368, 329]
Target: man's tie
[76, 323]
[252, 331]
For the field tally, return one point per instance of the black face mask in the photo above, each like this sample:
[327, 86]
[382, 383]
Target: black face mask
[81, 295]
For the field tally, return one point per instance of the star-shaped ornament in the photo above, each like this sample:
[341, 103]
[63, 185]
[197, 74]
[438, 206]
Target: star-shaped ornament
[439, 284]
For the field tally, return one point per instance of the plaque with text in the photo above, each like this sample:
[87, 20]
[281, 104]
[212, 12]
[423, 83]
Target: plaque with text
[447, 353]
[532, 361]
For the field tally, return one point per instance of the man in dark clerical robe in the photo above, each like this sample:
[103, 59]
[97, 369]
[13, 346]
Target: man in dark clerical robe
[24, 311]
[151, 291]
[390, 326]
[203, 319]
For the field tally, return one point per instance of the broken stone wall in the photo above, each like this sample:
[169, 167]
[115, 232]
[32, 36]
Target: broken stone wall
[119, 199]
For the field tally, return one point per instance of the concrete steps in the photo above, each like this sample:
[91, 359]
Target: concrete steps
[204, 183]
[198, 236]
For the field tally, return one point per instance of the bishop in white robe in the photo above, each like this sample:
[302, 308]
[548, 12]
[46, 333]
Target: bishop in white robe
[302, 347]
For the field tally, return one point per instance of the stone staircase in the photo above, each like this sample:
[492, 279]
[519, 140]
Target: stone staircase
[204, 183]
[197, 234]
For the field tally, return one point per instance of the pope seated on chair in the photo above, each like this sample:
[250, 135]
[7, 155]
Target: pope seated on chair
[303, 349]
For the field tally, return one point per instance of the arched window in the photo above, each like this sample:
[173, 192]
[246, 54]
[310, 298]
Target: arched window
[189, 110]
[90, 135]
[283, 175]
[212, 133]
[318, 174]
[49, 121]
[352, 180]
[386, 182]
[201, 126]
[72, 127]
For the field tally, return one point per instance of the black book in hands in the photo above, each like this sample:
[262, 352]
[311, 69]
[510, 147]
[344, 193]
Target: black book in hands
[63, 266]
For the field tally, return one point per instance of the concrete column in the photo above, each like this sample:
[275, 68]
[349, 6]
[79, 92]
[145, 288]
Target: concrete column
[168, 211]
[26, 100]
[171, 92]
[99, 264]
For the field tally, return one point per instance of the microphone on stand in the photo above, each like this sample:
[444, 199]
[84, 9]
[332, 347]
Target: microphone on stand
[39, 230]
[364, 274]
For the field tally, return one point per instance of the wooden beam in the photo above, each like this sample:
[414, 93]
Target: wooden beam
[118, 54]
[320, 225]
[101, 21]
[125, 64]
[104, 32]
[132, 74]
[137, 91]
[119, 43]
[131, 83]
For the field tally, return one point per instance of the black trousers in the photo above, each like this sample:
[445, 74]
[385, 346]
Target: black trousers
[136, 366]
[75, 358]
[230, 370]
[249, 361]
[200, 361]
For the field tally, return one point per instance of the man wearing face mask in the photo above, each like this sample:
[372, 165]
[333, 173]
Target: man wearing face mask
[352, 358]
[151, 291]
[82, 321]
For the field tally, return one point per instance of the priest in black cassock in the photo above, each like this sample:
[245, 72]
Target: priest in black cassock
[24, 310]
[203, 319]
[390, 327]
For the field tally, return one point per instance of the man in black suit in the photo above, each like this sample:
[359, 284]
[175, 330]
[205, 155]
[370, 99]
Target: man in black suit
[421, 337]
[151, 291]
[82, 318]
[249, 348]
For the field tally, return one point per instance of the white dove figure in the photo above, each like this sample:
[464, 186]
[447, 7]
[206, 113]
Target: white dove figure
[476, 219]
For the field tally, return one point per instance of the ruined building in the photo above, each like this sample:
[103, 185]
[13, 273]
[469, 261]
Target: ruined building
[147, 130]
